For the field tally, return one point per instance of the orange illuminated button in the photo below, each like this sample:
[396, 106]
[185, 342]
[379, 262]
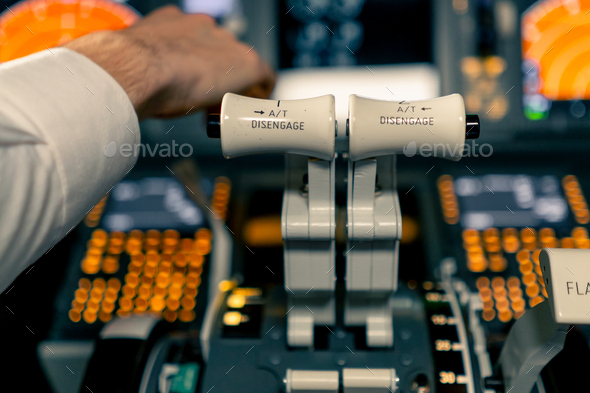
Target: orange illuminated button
[181, 258]
[505, 315]
[157, 303]
[186, 315]
[498, 282]
[178, 280]
[497, 263]
[491, 235]
[35, 25]
[81, 295]
[161, 292]
[170, 315]
[482, 282]
[502, 304]
[132, 280]
[104, 316]
[567, 242]
[165, 268]
[523, 256]
[77, 306]
[99, 283]
[191, 292]
[489, 314]
[195, 270]
[513, 282]
[510, 241]
[129, 291]
[74, 315]
[529, 279]
[141, 304]
[488, 304]
[526, 267]
[518, 305]
[175, 292]
[89, 316]
[107, 307]
[528, 235]
[110, 294]
[580, 233]
[476, 262]
[162, 280]
[485, 294]
[114, 283]
[145, 292]
[125, 303]
[532, 291]
[582, 243]
[192, 281]
[188, 303]
[499, 293]
[85, 284]
[92, 306]
[172, 303]
[515, 294]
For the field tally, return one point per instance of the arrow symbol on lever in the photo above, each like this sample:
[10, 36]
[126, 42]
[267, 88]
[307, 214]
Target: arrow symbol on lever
[424, 109]
[261, 112]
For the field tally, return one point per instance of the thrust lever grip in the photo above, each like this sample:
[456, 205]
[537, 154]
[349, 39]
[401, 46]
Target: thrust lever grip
[255, 126]
[438, 126]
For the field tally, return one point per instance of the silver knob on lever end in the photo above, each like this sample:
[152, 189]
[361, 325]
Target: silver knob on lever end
[472, 127]
[214, 126]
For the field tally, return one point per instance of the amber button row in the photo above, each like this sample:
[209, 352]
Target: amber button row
[93, 217]
[164, 284]
[511, 240]
[448, 199]
[532, 276]
[492, 240]
[94, 261]
[168, 314]
[575, 199]
[476, 259]
[503, 299]
[100, 238]
[169, 245]
[221, 195]
[94, 300]
[135, 243]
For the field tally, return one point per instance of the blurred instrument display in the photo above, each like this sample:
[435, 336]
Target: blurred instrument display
[34, 25]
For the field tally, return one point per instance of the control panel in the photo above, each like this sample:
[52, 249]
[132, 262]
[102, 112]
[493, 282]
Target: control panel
[311, 243]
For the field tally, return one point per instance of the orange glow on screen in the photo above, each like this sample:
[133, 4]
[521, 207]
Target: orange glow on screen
[556, 39]
[34, 25]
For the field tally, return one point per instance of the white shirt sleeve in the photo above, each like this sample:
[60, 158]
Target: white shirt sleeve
[58, 113]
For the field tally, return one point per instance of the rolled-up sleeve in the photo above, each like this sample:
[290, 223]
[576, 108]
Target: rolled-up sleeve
[62, 122]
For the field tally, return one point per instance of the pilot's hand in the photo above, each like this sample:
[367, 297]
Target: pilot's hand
[170, 63]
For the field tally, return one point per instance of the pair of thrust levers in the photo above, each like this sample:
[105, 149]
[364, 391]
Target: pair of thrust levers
[305, 131]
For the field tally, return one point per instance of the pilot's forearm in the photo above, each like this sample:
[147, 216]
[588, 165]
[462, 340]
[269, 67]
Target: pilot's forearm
[58, 111]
